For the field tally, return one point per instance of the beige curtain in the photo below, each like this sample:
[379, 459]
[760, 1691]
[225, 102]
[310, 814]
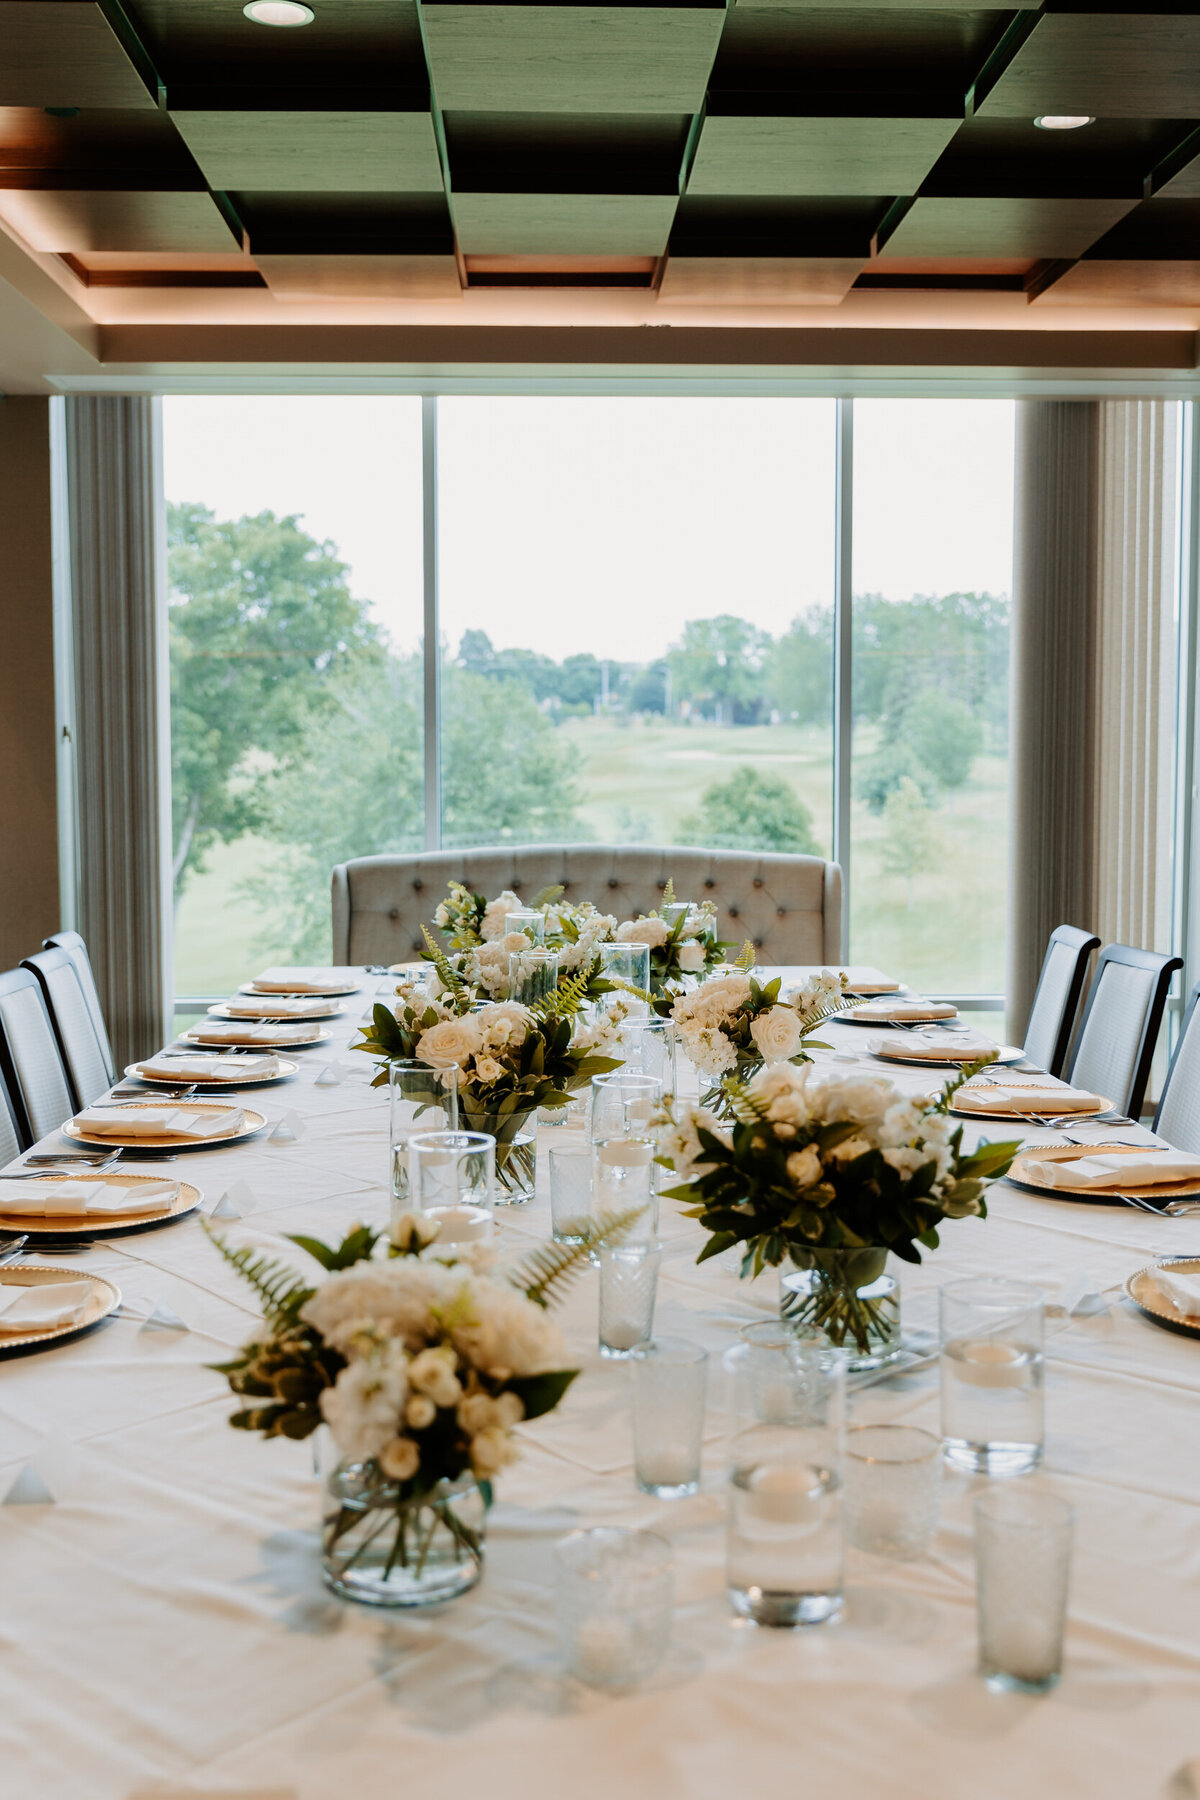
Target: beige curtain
[1094, 678]
[118, 600]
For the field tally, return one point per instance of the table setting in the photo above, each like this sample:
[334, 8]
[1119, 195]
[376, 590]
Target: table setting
[537, 1451]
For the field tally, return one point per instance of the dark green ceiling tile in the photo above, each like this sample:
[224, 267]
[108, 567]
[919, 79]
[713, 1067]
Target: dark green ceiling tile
[817, 156]
[65, 53]
[348, 152]
[1032, 227]
[566, 224]
[1117, 65]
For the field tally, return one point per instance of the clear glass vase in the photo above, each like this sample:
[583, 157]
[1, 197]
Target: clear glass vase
[516, 1152]
[846, 1295]
[382, 1549]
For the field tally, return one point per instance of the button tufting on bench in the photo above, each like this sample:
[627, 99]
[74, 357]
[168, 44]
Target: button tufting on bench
[758, 943]
[733, 912]
[516, 885]
[781, 912]
[757, 882]
[613, 882]
[393, 912]
[709, 882]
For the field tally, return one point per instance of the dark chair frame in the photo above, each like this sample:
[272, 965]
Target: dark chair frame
[1083, 943]
[1192, 1000]
[11, 982]
[42, 965]
[71, 942]
[1164, 968]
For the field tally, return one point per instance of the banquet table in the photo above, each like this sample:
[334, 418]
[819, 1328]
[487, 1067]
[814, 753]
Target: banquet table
[165, 1631]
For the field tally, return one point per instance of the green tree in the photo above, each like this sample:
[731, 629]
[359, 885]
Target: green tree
[910, 842]
[719, 667]
[503, 777]
[945, 736]
[800, 670]
[750, 811]
[261, 618]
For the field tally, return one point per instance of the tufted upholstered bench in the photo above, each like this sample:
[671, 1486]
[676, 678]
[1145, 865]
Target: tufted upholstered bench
[788, 906]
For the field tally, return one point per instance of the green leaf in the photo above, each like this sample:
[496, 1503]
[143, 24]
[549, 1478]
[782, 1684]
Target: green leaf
[541, 1393]
[720, 1240]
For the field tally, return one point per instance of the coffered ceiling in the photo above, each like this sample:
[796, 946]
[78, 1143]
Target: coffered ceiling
[756, 154]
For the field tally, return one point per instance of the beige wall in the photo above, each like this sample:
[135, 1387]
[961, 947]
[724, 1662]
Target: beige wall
[29, 906]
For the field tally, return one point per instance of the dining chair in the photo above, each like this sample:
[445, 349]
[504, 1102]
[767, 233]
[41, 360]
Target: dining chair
[1120, 1025]
[790, 907]
[29, 1056]
[82, 1056]
[1178, 1116]
[76, 949]
[12, 1139]
[1056, 1002]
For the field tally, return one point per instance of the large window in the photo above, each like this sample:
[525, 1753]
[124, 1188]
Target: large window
[635, 617]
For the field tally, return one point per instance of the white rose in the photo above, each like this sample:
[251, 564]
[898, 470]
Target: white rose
[400, 1459]
[643, 931]
[804, 1166]
[451, 1041]
[690, 957]
[420, 1412]
[777, 1034]
[488, 1069]
[492, 924]
[432, 1373]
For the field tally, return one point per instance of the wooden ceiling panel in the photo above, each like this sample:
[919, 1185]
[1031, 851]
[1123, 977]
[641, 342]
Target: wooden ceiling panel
[64, 53]
[361, 277]
[817, 156]
[1100, 282]
[1112, 65]
[573, 224]
[319, 152]
[1004, 227]
[758, 280]
[878, 6]
[84, 220]
[566, 59]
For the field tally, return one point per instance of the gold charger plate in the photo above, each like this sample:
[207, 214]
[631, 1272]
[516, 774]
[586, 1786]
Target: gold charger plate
[854, 1016]
[1165, 1190]
[1143, 1291]
[285, 1069]
[60, 1225]
[963, 1109]
[244, 1043]
[107, 1300]
[256, 993]
[252, 1122]
[332, 1009]
[1005, 1053]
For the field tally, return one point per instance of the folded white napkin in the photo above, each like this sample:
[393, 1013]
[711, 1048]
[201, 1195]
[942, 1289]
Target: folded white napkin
[306, 981]
[213, 1032]
[907, 1009]
[38, 1308]
[160, 1121]
[292, 1006]
[1151, 1169]
[1183, 1291]
[95, 1199]
[1025, 1097]
[208, 1068]
[940, 1048]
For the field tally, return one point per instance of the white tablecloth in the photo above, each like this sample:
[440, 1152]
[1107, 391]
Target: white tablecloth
[163, 1627]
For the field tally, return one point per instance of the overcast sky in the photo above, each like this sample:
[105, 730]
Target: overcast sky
[604, 524]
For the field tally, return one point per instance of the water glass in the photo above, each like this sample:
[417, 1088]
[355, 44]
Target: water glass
[628, 1286]
[1022, 1569]
[784, 1535]
[626, 962]
[528, 921]
[613, 1591]
[623, 1104]
[570, 1192]
[670, 1384]
[532, 975]
[623, 1172]
[992, 1366]
[893, 1474]
[452, 1178]
[420, 1100]
[671, 911]
[648, 1046]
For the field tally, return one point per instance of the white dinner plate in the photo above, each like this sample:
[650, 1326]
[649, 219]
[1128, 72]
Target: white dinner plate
[221, 1081]
[256, 993]
[321, 1036]
[329, 1009]
[106, 1301]
[1005, 1053]
[63, 1225]
[252, 1123]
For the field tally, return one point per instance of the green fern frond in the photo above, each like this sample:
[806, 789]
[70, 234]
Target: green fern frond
[668, 898]
[280, 1289]
[548, 896]
[567, 998]
[746, 1107]
[952, 1085]
[547, 1272]
[745, 962]
[448, 975]
[814, 1016]
[627, 987]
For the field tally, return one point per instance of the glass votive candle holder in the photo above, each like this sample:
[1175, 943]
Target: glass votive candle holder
[623, 1104]
[532, 975]
[892, 1480]
[670, 1387]
[452, 1177]
[623, 1171]
[528, 921]
[1022, 1573]
[671, 911]
[421, 1098]
[626, 962]
[648, 1046]
[570, 1191]
[614, 1591]
[992, 1371]
[628, 1287]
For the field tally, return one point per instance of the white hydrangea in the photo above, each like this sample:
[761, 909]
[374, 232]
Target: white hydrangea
[366, 1403]
[487, 967]
[393, 1300]
[712, 1052]
[504, 1334]
[594, 928]
[503, 1024]
[492, 924]
[654, 932]
[604, 1031]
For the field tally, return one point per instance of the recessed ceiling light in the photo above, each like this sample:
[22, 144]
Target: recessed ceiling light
[1049, 121]
[279, 12]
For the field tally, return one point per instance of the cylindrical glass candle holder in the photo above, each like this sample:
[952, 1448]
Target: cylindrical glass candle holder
[1022, 1572]
[420, 1099]
[614, 1591]
[670, 1384]
[529, 922]
[628, 1286]
[893, 1477]
[623, 1105]
[532, 975]
[452, 1176]
[671, 911]
[623, 1171]
[993, 1416]
[784, 1544]
[570, 1190]
[648, 1046]
[625, 962]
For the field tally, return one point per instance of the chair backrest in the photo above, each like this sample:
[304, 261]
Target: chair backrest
[68, 1009]
[12, 1139]
[29, 1056]
[1178, 1115]
[76, 949]
[789, 906]
[1056, 1002]
[1120, 1026]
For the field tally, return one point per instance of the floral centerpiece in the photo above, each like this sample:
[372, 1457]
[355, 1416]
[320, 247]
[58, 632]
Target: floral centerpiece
[421, 1366]
[478, 946]
[507, 1060]
[680, 949]
[831, 1172]
[733, 1024]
